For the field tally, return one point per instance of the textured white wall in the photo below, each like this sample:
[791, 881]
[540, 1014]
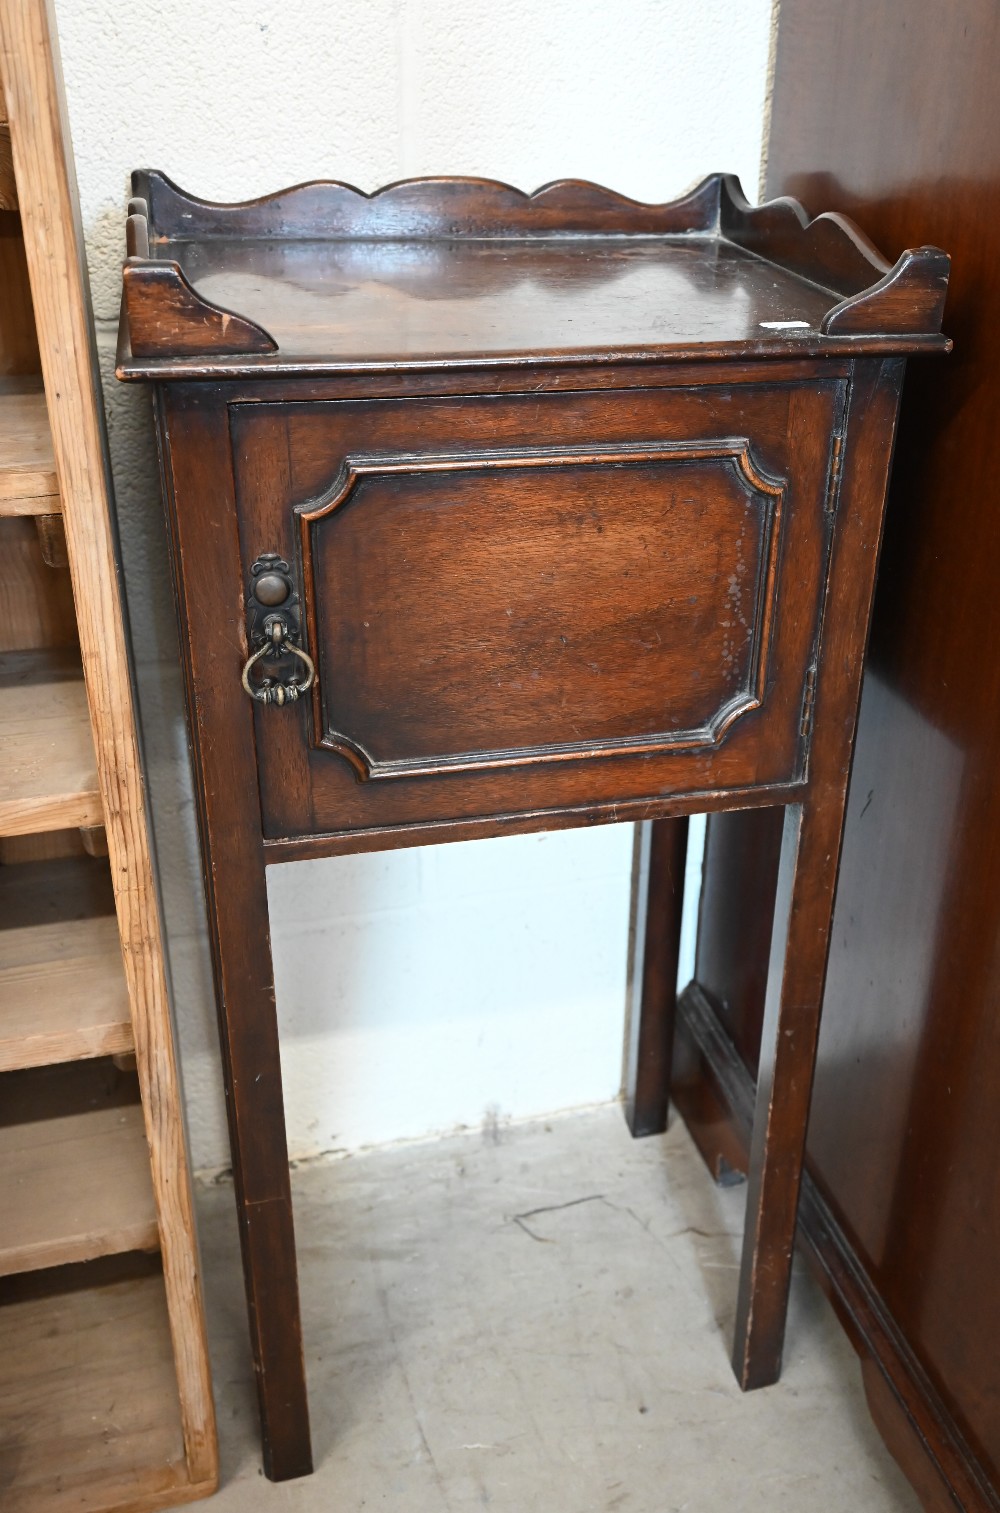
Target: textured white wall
[417, 989]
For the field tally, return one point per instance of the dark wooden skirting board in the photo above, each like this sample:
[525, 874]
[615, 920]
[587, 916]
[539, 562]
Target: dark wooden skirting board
[715, 1095]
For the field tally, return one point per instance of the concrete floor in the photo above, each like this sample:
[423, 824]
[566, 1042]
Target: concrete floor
[537, 1318]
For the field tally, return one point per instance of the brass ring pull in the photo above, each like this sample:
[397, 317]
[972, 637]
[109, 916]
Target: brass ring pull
[269, 690]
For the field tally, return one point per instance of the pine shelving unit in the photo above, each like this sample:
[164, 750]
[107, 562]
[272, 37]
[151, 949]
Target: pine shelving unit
[105, 1395]
[28, 483]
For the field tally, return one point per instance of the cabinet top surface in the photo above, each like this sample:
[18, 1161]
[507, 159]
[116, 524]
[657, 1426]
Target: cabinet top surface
[457, 272]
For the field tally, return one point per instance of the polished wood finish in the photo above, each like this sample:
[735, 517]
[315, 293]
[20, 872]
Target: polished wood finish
[663, 569]
[658, 893]
[71, 758]
[575, 505]
[231, 826]
[807, 877]
[164, 307]
[895, 115]
[523, 686]
[466, 269]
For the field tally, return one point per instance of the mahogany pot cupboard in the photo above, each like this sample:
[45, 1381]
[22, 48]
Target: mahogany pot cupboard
[494, 512]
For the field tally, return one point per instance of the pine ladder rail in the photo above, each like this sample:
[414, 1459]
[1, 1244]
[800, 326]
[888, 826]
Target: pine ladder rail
[40, 147]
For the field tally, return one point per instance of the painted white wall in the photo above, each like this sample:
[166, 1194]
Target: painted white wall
[417, 990]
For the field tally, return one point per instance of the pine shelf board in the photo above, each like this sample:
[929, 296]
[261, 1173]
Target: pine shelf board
[48, 774]
[63, 995]
[28, 481]
[74, 1168]
[89, 1414]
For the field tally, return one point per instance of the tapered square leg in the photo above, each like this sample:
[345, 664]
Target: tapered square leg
[799, 949]
[221, 720]
[807, 883]
[271, 1280]
[659, 898]
[249, 1035]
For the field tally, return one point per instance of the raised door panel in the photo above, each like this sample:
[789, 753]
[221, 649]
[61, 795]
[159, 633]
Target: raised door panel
[540, 601]
[502, 609]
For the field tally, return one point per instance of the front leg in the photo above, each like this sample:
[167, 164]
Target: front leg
[202, 518]
[807, 881]
[252, 1070]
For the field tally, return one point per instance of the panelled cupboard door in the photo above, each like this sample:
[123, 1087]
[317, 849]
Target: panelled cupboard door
[538, 599]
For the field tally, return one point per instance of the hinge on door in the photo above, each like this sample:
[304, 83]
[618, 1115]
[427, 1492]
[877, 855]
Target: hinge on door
[808, 700]
[833, 477]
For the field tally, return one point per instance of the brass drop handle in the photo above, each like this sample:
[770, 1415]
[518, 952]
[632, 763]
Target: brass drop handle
[277, 643]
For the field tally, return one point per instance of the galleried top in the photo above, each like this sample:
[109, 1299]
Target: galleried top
[449, 272]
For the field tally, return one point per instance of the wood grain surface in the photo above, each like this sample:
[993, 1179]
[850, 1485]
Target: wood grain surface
[28, 482]
[557, 562]
[314, 275]
[896, 115]
[74, 1168]
[54, 253]
[62, 987]
[597, 585]
[106, 1435]
[48, 775]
